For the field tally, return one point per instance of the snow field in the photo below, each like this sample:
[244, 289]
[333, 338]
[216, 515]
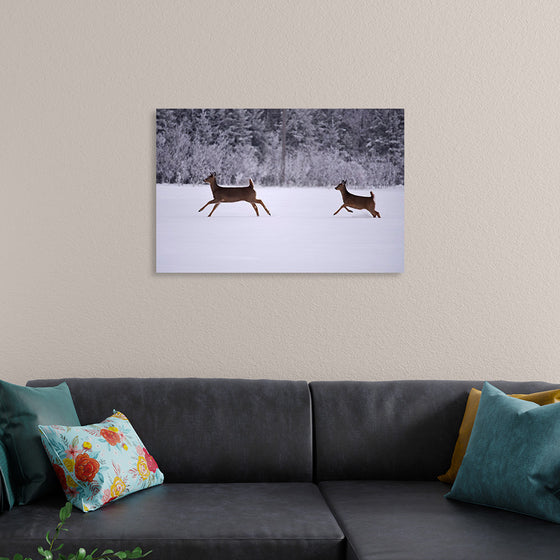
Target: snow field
[301, 235]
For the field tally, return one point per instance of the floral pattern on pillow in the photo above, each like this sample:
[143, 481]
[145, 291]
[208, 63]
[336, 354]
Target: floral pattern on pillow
[99, 463]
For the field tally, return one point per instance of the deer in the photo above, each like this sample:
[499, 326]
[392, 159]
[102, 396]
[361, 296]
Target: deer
[350, 200]
[232, 194]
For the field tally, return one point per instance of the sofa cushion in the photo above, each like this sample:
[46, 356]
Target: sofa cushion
[272, 521]
[209, 430]
[399, 430]
[21, 409]
[541, 398]
[399, 520]
[513, 457]
[99, 463]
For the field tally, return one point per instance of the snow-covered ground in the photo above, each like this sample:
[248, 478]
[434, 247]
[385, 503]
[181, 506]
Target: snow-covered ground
[302, 235]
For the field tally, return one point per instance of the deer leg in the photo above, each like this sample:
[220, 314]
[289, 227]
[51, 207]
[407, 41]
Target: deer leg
[254, 207]
[259, 201]
[213, 201]
[215, 206]
[343, 206]
[347, 209]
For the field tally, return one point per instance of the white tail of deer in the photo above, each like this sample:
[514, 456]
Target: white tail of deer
[232, 194]
[350, 200]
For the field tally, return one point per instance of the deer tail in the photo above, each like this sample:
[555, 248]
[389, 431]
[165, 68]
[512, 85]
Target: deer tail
[371, 192]
[251, 183]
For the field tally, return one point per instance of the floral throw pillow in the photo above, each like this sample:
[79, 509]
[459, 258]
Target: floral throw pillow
[99, 463]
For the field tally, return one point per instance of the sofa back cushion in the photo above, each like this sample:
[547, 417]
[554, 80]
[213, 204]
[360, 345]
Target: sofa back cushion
[208, 430]
[392, 430]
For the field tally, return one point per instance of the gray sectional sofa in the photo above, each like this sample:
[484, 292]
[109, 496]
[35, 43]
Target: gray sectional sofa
[285, 470]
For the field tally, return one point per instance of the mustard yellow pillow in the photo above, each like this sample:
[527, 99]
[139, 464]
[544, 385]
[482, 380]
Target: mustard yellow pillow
[541, 398]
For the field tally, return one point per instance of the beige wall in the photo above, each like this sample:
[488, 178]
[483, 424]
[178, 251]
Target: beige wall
[79, 85]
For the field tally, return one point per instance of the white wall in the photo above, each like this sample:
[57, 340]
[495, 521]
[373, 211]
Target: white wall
[79, 85]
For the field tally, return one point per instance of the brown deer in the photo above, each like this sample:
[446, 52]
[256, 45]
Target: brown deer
[232, 194]
[355, 201]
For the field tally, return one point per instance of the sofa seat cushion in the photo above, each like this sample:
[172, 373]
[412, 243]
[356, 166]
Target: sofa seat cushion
[287, 521]
[397, 520]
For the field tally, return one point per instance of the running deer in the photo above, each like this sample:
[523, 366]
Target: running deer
[232, 194]
[355, 201]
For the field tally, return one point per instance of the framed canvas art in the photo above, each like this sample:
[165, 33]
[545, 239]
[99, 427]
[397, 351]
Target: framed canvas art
[279, 190]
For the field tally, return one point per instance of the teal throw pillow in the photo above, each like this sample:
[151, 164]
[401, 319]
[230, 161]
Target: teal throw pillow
[513, 457]
[99, 463]
[21, 410]
[7, 498]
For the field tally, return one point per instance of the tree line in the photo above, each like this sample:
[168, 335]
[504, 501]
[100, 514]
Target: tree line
[303, 147]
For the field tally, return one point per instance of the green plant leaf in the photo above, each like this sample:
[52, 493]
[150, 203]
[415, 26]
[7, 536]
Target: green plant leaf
[68, 508]
[18, 557]
[121, 555]
[65, 512]
[47, 554]
[104, 553]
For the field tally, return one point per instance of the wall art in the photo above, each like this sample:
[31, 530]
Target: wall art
[279, 190]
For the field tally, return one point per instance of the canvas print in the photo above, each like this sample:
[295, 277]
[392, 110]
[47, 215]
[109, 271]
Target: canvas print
[279, 190]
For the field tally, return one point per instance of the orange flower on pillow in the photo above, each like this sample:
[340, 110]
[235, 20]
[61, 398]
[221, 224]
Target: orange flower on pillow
[113, 437]
[152, 465]
[61, 475]
[85, 467]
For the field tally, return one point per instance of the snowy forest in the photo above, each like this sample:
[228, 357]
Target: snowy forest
[292, 147]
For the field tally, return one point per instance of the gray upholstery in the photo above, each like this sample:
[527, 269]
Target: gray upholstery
[209, 430]
[398, 520]
[238, 460]
[268, 521]
[400, 430]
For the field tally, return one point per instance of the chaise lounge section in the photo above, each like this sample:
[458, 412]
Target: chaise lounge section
[379, 449]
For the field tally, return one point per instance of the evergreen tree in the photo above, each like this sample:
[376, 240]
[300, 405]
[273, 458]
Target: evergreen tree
[281, 146]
